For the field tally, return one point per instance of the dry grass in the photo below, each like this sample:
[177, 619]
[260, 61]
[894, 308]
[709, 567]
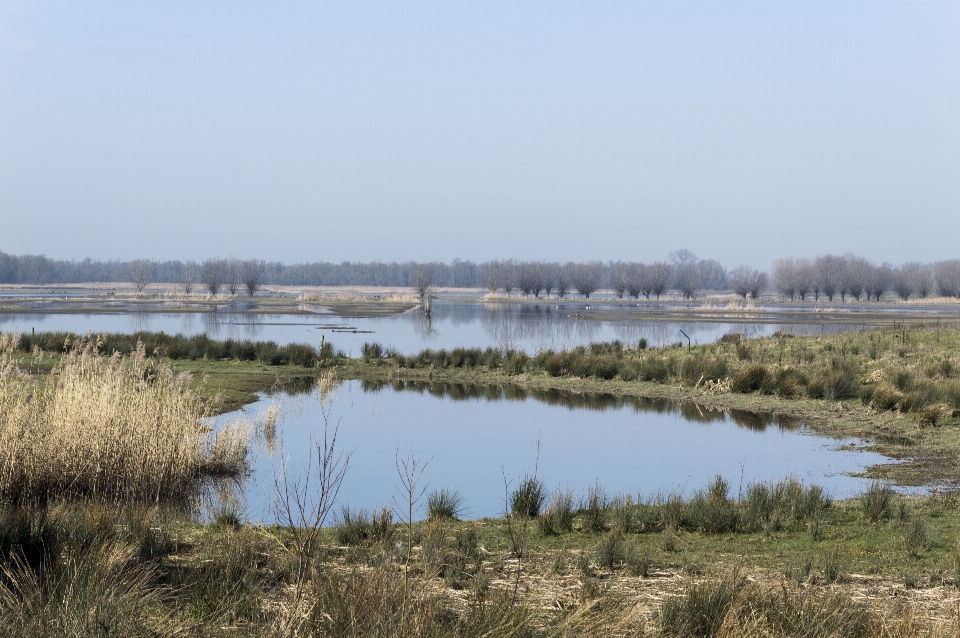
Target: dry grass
[350, 296]
[107, 428]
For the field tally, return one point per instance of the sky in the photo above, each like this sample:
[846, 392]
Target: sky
[561, 130]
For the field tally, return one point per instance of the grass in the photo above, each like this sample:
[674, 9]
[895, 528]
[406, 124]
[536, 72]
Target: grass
[88, 550]
[897, 387]
[445, 504]
[78, 569]
[827, 367]
[197, 347]
[528, 498]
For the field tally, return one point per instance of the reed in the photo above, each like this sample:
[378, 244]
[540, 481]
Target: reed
[107, 428]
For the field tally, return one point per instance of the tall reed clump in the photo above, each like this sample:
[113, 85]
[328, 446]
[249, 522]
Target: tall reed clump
[119, 429]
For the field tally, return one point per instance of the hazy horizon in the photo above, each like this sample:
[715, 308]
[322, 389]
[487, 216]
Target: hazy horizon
[394, 131]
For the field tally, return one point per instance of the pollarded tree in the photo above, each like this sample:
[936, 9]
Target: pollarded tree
[946, 274]
[688, 280]
[857, 273]
[619, 277]
[531, 279]
[587, 277]
[212, 274]
[879, 278]
[635, 280]
[563, 278]
[548, 275]
[740, 280]
[922, 280]
[233, 274]
[490, 274]
[805, 276]
[253, 275]
[829, 275]
[544, 279]
[785, 276]
[657, 278]
[713, 276]
[508, 276]
[525, 277]
[758, 284]
[744, 281]
[901, 281]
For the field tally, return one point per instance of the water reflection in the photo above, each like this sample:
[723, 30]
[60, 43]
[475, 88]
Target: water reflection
[475, 435]
[523, 326]
[598, 402]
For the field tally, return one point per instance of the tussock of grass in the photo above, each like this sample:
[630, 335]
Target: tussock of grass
[444, 503]
[528, 498]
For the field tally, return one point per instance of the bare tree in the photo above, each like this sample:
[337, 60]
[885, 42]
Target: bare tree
[857, 274]
[587, 277]
[745, 281]
[879, 278]
[688, 280]
[562, 276]
[140, 271]
[508, 276]
[253, 275]
[740, 279]
[548, 277]
[421, 278]
[233, 274]
[947, 276]
[619, 277]
[804, 278]
[635, 280]
[784, 277]
[829, 275]
[542, 280]
[900, 282]
[490, 273]
[912, 277]
[188, 275]
[212, 274]
[682, 256]
[713, 276]
[923, 283]
[528, 278]
[758, 284]
[657, 278]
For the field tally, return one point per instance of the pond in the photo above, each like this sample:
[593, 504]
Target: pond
[474, 440]
[527, 326]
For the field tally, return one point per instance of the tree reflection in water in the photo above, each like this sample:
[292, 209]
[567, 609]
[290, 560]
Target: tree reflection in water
[600, 402]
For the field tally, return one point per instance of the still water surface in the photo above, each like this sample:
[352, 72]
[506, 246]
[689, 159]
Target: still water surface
[473, 440]
[531, 327]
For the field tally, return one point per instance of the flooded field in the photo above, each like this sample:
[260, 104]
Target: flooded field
[527, 326]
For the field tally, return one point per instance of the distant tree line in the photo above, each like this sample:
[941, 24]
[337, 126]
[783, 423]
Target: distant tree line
[827, 277]
[852, 276]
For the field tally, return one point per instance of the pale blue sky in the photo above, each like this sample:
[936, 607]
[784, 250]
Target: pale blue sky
[307, 131]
